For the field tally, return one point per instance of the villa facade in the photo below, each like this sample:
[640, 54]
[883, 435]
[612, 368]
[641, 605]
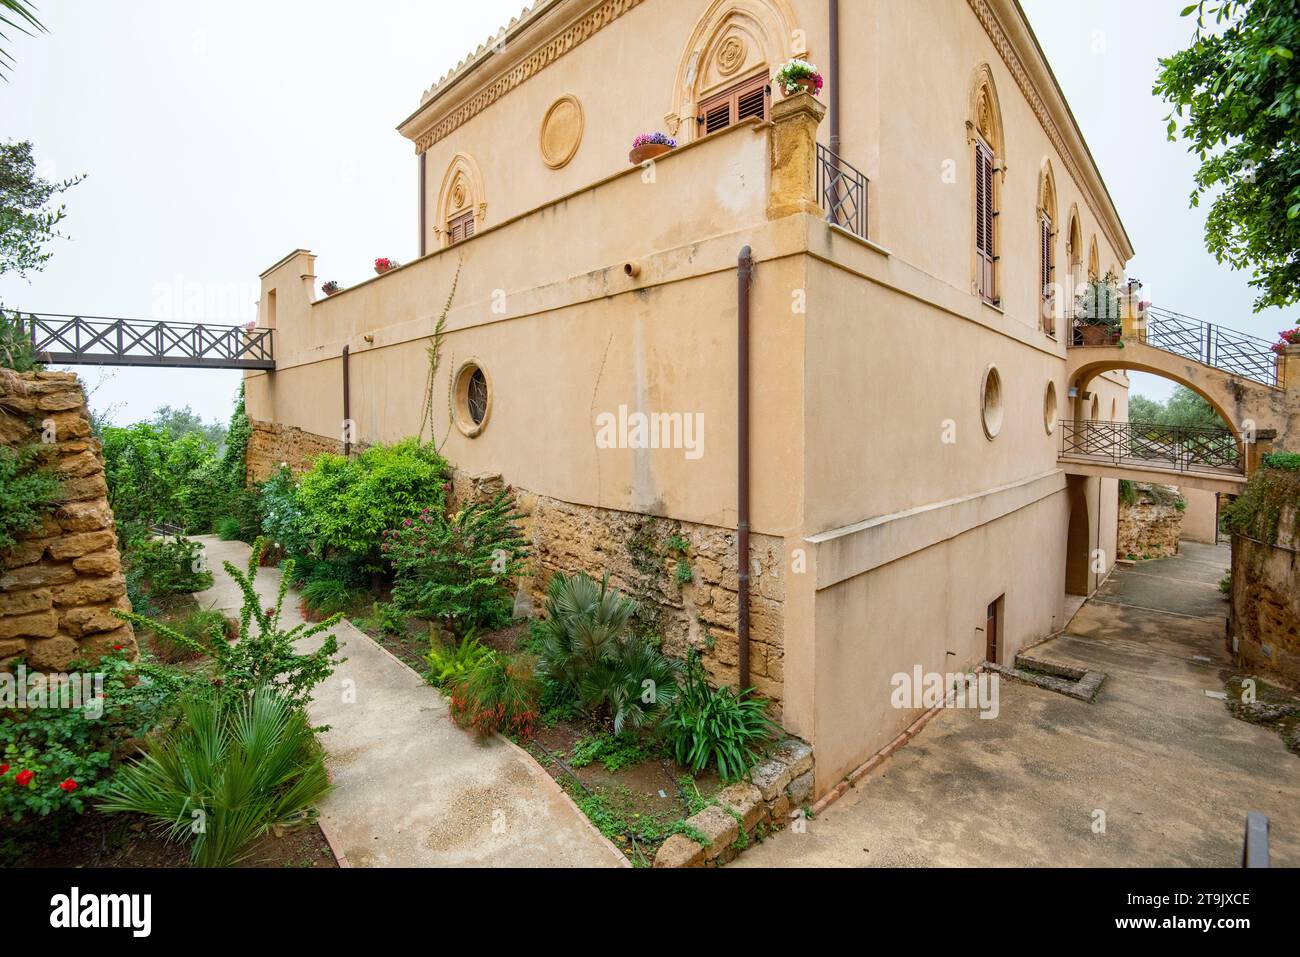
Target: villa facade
[917, 232]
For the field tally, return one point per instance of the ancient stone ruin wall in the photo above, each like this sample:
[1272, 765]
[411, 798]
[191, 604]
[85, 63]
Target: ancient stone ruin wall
[59, 585]
[1266, 603]
[271, 445]
[638, 551]
[1151, 527]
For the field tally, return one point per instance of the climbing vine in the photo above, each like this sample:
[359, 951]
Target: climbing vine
[434, 352]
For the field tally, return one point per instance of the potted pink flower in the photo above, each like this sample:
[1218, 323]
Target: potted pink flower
[647, 146]
[798, 76]
[383, 264]
[1287, 337]
[330, 287]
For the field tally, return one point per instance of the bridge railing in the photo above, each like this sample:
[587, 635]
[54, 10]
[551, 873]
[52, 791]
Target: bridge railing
[1173, 447]
[1219, 347]
[98, 340]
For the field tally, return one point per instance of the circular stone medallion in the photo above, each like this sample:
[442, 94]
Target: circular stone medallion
[561, 132]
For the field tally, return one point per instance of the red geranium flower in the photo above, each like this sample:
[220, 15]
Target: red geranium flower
[68, 785]
[4, 769]
[24, 778]
[118, 647]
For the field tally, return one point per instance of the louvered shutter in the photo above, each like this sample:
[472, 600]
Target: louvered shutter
[740, 102]
[985, 212]
[461, 227]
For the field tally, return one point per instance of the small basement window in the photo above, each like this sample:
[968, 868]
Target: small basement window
[472, 399]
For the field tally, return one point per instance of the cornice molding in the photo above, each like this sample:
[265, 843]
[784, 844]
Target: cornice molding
[1053, 113]
[569, 38]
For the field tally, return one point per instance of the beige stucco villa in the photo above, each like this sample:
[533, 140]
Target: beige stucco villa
[887, 422]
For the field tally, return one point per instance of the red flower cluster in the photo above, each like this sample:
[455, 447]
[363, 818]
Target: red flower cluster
[69, 786]
[24, 778]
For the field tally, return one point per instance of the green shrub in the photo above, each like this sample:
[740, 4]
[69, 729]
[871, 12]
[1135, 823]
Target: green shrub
[714, 727]
[587, 650]
[584, 621]
[229, 529]
[229, 772]
[264, 655]
[348, 503]
[447, 664]
[164, 567]
[16, 350]
[1257, 512]
[459, 570]
[157, 477]
[1288, 461]
[203, 626]
[327, 596]
[27, 493]
[499, 694]
[70, 752]
[283, 519]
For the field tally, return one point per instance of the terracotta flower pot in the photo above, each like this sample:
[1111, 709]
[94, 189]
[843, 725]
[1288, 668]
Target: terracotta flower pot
[382, 269]
[1095, 335]
[647, 151]
[806, 84]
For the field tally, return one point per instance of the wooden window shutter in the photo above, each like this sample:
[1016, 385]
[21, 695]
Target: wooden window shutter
[985, 212]
[461, 227]
[740, 102]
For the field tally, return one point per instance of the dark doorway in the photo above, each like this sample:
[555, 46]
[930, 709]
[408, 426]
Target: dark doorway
[993, 631]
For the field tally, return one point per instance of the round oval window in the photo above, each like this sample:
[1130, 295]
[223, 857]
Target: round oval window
[1049, 408]
[991, 402]
[473, 398]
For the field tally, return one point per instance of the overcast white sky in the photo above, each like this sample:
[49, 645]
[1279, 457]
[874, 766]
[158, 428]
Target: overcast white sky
[220, 134]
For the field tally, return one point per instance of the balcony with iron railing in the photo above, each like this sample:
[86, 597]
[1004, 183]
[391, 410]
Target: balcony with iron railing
[1112, 322]
[842, 190]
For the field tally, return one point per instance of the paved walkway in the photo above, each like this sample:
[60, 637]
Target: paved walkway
[411, 789]
[1172, 771]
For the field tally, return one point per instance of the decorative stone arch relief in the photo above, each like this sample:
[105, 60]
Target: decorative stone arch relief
[734, 41]
[1047, 192]
[1074, 255]
[461, 192]
[985, 117]
[1094, 261]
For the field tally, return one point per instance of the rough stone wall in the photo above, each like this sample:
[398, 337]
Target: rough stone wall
[637, 552]
[1266, 603]
[271, 444]
[1152, 527]
[59, 585]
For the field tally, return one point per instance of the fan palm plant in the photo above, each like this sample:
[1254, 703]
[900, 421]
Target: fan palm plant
[226, 775]
[17, 15]
[584, 622]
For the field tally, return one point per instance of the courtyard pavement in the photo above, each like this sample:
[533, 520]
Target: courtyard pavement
[411, 789]
[1171, 770]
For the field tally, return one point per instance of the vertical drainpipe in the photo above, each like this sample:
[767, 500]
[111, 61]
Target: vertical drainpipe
[834, 79]
[347, 407]
[422, 220]
[744, 276]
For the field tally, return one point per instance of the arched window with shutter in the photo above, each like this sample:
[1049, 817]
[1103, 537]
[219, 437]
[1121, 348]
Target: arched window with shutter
[984, 133]
[1050, 300]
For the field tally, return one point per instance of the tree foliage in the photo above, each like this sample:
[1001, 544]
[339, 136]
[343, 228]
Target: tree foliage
[28, 214]
[16, 15]
[1184, 408]
[1235, 94]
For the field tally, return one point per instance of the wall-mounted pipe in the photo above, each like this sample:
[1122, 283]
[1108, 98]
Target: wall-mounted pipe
[632, 269]
[347, 407]
[834, 70]
[423, 222]
[744, 278]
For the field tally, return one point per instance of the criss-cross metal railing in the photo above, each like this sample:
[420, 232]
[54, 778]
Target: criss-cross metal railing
[842, 191]
[1247, 356]
[97, 340]
[1174, 447]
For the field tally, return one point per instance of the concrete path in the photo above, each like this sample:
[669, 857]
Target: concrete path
[411, 789]
[1172, 771]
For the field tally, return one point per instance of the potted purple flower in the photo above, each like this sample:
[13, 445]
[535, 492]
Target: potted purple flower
[330, 287]
[647, 146]
[798, 76]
